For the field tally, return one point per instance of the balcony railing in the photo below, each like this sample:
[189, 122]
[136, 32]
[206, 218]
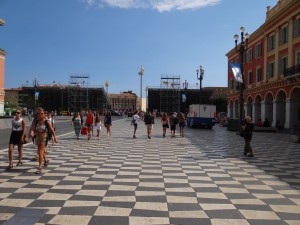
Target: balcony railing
[292, 71]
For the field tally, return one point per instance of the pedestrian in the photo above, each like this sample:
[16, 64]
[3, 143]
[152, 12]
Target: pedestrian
[108, 123]
[246, 133]
[51, 121]
[134, 122]
[17, 137]
[165, 123]
[173, 123]
[40, 130]
[149, 121]
[77, 122]
[182, 123]
[35, 117]
[98, 124]
[89, 123]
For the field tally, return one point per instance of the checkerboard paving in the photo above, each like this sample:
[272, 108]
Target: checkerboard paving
[202, 178]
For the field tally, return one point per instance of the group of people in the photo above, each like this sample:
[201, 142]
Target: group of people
[41, 132]
[167, 121]
[91, 120]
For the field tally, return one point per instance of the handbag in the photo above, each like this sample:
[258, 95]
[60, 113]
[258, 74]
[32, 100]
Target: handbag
[245, 134]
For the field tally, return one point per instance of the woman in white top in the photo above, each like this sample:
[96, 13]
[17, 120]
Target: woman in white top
[17, 137]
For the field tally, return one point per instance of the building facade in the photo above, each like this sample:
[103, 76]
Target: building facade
[271, 69]
[126, 101]
[58, 98]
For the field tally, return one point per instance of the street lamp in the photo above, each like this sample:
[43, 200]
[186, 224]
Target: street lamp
[106, 85]
[242, 49]
[35, 84]
[200, 75]
[185, 86]
[141, 73]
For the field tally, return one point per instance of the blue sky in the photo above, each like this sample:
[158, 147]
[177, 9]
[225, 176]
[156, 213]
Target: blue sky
[109, 39]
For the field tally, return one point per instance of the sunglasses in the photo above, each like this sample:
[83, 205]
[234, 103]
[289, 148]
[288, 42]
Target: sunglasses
[41, 113]
[18, 112]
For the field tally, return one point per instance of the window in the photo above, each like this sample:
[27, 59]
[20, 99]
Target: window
[258, 51]
[258, 75]
[249, 55]
[271, 43]
[250, 76]
[284, 35]
[282, 65]
[296, 26]
[270, 70]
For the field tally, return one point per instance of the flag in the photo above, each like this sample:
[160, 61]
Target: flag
[236, 69]
[36, 95]
[183, 97]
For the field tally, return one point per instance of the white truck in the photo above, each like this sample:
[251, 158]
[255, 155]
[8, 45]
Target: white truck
[201, 116]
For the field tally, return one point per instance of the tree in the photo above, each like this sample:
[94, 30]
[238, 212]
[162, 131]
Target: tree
[221, 104]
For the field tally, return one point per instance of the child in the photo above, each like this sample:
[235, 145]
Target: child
[98, 123]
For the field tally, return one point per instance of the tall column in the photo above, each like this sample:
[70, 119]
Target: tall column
[274, 113]
[287, 113]
[254, 119]
[228, 110]
[2, 62]
[234, 110]
[263, 110]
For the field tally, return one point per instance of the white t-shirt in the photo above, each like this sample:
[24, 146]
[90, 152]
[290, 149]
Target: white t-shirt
[135, 118]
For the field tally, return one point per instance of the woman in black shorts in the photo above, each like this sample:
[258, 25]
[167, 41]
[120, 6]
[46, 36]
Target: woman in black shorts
[17, 137]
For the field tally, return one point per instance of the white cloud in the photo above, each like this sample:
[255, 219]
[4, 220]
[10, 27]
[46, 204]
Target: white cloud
[170, 5]
[159, 5]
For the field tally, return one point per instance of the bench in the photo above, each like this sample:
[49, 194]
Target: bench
[265, 129]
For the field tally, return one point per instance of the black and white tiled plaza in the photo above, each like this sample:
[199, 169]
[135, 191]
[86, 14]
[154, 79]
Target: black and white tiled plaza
[202, 178]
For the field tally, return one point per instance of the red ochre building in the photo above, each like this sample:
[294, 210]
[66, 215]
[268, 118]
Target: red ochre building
[271, 69]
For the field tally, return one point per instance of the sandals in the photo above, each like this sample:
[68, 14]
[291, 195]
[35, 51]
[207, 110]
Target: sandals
[46, 163]
[19, 163]
[39, 170]
[10, 166]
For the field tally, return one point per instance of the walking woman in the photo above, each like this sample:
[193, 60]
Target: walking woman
[165, 123]
[182, 123]
[17, 137]
[89, 123]
[247, 130]
[107, 123]
[77, 123]
[40, 130]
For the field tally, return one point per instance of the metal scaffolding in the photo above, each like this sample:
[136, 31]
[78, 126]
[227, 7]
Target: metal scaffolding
[170, 93]
[78, 92]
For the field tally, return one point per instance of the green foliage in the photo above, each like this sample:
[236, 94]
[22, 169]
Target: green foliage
[221, 104]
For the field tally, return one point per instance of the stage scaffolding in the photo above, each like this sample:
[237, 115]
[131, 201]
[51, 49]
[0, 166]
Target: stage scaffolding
[78, 92]
[170, 93]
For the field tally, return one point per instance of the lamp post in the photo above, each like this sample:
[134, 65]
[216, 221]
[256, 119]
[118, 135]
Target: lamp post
[106, 85]
[141, 73]
[185, 86]
[35, 84]
[242, 49]
[200, 75]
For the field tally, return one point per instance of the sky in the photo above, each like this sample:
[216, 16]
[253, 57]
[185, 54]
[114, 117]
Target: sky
[108, 40]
